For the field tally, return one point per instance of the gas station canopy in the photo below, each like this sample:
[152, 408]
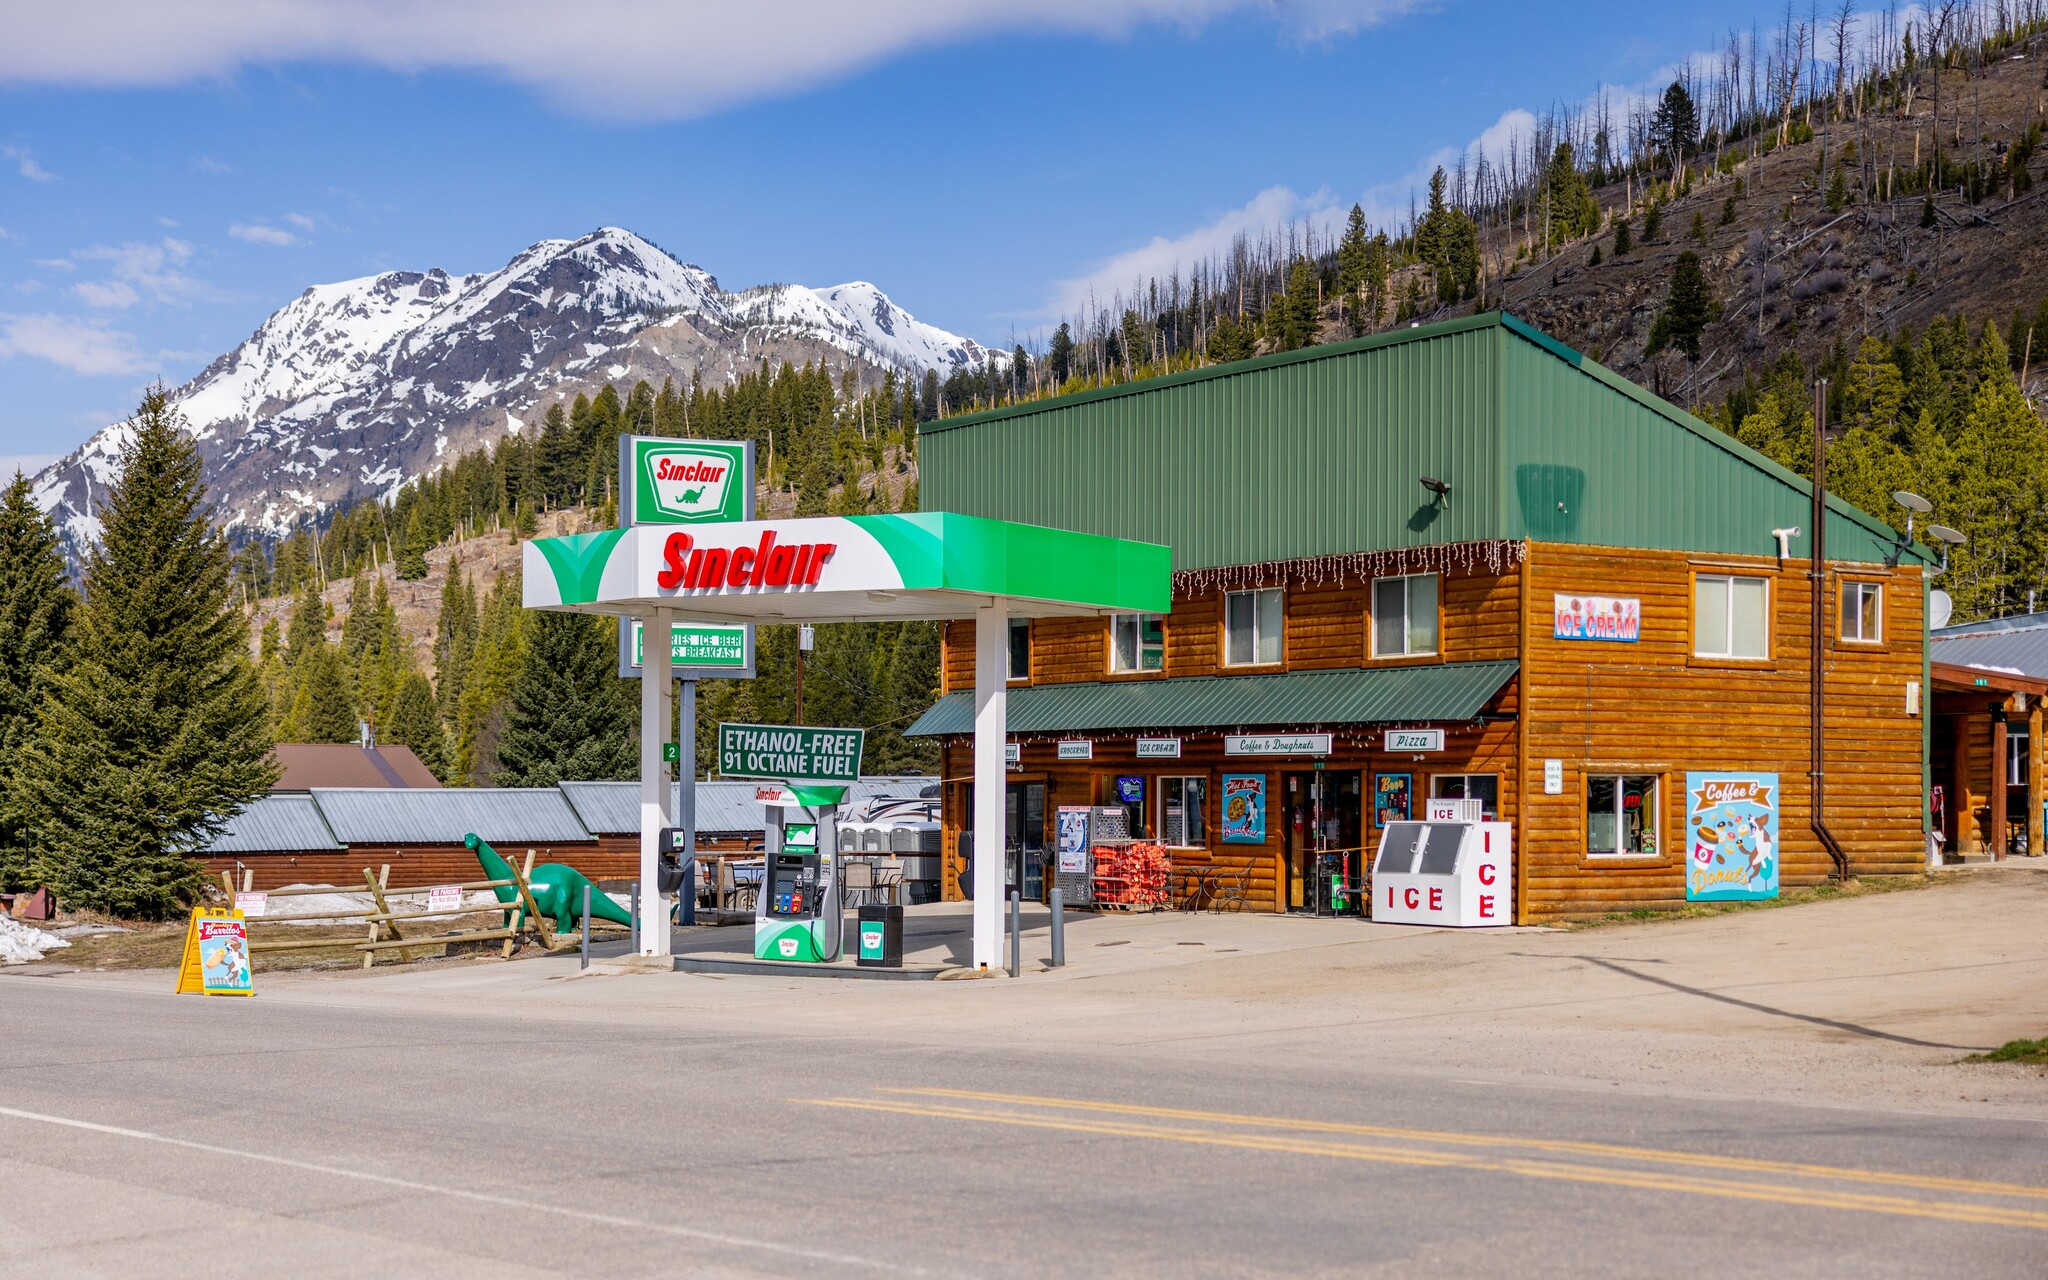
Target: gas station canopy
[877, 568]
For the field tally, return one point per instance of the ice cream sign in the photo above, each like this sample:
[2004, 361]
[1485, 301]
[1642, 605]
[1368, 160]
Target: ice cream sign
[686, 481]
[1616, 619]
[1731, 836]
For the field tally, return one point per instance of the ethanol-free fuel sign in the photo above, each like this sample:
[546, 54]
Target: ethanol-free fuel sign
[789, 753]
[688, 481]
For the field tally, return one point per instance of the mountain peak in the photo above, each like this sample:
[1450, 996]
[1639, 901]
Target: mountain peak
[352, 388]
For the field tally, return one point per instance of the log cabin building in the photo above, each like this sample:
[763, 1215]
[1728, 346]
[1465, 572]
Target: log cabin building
[1989, 678]
[1455, 561]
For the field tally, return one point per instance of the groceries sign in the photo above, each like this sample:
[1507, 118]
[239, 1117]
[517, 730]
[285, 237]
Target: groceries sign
[685, 481]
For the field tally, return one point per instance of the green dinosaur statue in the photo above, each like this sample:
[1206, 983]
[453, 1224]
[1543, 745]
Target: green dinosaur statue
[557, 889]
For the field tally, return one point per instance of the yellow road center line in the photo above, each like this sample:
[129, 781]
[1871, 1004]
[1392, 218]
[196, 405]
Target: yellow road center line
[1810, 1197]
[1651, 1155]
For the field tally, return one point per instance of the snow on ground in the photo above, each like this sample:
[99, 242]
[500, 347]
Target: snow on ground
[24, 944]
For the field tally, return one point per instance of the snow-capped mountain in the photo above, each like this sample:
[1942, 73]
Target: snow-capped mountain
[351, 389]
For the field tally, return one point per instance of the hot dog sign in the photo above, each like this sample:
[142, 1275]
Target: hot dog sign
[1731, 836]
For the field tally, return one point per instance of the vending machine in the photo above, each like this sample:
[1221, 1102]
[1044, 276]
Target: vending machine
[1458, 875]
[797, 915]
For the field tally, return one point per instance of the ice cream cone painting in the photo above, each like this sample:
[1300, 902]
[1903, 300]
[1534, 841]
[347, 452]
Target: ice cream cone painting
[1731, 835]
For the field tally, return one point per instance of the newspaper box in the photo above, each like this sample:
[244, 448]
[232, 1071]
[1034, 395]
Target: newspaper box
[1457, 875]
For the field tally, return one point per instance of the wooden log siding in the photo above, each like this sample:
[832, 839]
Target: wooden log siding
[1647, 707]
[1327, 626]
[1652, 707]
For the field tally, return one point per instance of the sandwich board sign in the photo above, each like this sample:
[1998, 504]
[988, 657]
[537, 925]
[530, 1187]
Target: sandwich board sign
[789, 753]
[216, 959]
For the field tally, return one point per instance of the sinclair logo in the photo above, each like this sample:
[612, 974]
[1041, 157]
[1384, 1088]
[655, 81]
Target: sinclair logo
[689, 481]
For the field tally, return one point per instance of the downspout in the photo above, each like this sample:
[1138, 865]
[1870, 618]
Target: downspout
[1817, 578]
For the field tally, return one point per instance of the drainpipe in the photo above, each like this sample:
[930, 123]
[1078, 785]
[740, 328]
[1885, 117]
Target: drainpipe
[1817, 581]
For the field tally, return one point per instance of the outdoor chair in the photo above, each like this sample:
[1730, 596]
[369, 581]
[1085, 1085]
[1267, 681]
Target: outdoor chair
[858, 888]
[889, 881]
[1230, 888]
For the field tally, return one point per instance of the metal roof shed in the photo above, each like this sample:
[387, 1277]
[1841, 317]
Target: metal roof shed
[378, 815]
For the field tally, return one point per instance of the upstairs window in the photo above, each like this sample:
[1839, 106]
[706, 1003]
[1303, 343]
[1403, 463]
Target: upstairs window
[1731, 617]
[1404, 616]
[1862, 612]
[1020, 648]
[1137, 642]
[1251, 625]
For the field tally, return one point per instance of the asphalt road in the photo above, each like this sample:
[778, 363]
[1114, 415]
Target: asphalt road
[140, 1133]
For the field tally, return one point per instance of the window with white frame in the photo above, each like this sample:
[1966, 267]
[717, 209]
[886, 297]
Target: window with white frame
[1137, 642]
[1180, 811]
[1621, 815]
[1863, 612]
[1404, 616]
[1483, 787]
[1731, 616]
[1251, 627]
[1020, 648]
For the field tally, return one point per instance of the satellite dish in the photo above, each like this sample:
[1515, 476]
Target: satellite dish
[1940, 608]
[1950, 536]
[1913, 502]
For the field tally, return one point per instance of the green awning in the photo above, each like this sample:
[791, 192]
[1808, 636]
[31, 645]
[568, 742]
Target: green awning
[1446, 692]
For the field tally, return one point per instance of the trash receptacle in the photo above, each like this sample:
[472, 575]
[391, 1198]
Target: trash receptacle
[881, 936]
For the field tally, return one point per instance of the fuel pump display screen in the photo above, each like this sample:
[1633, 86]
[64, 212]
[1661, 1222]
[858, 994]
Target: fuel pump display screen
[800, 835]
[793, 887]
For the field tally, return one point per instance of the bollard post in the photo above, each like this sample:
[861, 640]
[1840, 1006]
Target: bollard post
[1016, 932]
[586, 928]
[636, 917]
[1059, 930]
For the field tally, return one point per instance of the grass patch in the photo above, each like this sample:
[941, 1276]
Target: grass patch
[1857, 887]
[2030, 1051]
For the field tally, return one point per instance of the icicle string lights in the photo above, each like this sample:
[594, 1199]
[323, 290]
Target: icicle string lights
[1493, 555]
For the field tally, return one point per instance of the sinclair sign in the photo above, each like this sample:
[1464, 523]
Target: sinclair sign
[685, 481]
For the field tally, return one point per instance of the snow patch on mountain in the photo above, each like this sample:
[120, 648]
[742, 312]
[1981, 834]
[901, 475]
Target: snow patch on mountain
[353, 388]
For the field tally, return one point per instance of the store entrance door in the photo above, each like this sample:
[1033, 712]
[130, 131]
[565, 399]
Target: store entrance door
[1325, 825]
[1024, 838]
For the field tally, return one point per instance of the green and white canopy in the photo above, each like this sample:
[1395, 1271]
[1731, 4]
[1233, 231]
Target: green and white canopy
[846, 568]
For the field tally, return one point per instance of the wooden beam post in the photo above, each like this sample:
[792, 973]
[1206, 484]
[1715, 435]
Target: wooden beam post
[1996, 836]
[1960, 803]
[2034, 791]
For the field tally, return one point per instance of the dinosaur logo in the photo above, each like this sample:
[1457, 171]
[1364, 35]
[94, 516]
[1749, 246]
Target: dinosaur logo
[689, 481]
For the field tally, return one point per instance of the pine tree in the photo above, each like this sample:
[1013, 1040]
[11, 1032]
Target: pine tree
[454, 639]
[1728, 211]
[415, 722]
[157, 732]
[1675, 128]
[1352, 253]
[1624, 242]
[1699, 227]
[572, 717]
[412, 554]
[324, 705]
[1687, 312]
[1653, 223]
[35, 631]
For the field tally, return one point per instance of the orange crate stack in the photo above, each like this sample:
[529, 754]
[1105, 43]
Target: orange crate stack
[1133, 877]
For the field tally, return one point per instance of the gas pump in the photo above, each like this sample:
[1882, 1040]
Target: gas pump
[797, 915]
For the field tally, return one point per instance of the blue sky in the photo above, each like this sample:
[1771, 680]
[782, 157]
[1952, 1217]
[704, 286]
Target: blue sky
[166, 181]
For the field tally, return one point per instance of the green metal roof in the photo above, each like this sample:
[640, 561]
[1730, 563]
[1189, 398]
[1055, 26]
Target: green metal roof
[1319, 451]
[1449, 691]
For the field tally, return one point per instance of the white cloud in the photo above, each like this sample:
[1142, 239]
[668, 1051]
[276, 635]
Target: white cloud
[151, 270]
[262, 233]
[25, 164]
[624, 58]
[5, 234]
[207, 164]
[299, 220]
[82, 346]
[107, 295]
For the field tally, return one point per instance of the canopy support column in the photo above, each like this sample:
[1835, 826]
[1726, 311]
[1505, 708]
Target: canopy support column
[991, 731]
[656, 672]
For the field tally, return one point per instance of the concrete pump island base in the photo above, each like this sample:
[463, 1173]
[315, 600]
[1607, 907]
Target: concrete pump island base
[881, 568]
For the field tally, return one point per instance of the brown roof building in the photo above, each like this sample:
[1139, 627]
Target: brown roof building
[345, 764]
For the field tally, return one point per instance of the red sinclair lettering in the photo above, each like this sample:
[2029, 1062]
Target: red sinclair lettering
[672, 552]
[768, 564]
[665, 469]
